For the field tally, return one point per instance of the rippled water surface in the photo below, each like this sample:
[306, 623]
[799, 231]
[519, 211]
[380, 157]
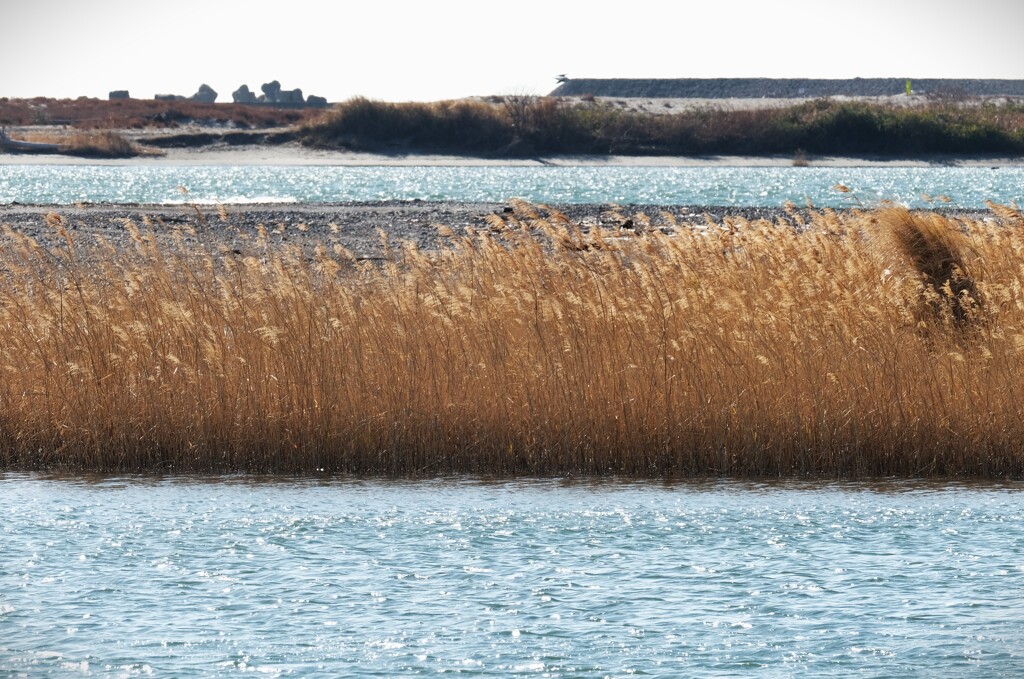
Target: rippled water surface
[966, 187]
[178, 578]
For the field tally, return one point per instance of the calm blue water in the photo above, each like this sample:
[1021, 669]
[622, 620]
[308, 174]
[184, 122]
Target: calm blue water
[130, 577]
[740, 186]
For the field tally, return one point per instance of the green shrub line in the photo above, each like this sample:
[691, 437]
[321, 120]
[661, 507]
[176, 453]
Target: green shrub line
[526, 126]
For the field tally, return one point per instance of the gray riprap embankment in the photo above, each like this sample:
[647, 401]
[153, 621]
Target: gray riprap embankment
[782, 88]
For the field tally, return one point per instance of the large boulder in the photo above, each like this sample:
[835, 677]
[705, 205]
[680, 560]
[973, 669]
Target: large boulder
[243, 95]
[271, 91]
[169, 97]
[291, 97]
[205, 95]
[120, 94]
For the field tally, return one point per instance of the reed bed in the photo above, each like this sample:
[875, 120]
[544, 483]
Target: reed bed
[847, 345]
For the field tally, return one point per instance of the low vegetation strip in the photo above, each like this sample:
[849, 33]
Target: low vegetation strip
[523, 126]
[87, 113]
[844, 345]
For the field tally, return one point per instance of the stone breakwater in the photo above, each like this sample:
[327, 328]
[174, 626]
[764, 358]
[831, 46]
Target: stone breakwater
[782, 88]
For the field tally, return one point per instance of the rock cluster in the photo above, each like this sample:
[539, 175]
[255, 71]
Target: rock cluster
[243, 95]
[205, 95]
[273, 94]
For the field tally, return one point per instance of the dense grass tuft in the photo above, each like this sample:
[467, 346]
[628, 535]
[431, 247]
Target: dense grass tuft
[939, 255]
[91, 144]
[361, 123]
[752, 349]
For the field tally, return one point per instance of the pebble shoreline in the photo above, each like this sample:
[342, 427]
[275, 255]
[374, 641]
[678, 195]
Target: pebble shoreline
[355, 226]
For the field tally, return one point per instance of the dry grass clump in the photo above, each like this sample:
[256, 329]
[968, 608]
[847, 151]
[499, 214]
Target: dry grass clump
[101, 145]
[751, 349]
[93, 144]
[939, 254]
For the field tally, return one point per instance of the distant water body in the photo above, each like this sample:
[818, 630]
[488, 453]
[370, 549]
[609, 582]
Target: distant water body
[967, 187]
[179, 578]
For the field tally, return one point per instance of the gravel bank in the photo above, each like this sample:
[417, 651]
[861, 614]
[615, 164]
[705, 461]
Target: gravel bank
[355, 226]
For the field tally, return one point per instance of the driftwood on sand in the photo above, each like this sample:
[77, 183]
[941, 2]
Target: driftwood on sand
[8, 145]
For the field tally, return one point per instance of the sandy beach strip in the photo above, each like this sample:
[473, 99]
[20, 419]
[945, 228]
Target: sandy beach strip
[293, 154]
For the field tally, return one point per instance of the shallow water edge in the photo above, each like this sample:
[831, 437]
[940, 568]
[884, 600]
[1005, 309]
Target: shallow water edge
[139, 576]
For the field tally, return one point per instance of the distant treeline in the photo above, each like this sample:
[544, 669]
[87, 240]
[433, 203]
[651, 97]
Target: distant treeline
[519, 126]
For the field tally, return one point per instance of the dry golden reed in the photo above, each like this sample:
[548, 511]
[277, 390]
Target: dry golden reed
[92, 144]
[874, 343]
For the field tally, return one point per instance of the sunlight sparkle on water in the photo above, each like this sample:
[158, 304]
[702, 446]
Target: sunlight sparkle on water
[385, 579]
[968, 187]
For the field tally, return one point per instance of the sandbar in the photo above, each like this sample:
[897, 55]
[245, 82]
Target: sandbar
[293, 154]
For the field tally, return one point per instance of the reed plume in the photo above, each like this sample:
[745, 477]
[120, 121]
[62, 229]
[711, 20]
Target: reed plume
[938, 252]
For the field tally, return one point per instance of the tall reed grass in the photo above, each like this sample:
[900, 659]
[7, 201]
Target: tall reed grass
[832, 348]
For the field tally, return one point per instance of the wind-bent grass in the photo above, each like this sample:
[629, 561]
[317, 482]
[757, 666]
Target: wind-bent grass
[750, 350]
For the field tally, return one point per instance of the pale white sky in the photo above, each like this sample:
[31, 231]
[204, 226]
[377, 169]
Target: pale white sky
[405, 50]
